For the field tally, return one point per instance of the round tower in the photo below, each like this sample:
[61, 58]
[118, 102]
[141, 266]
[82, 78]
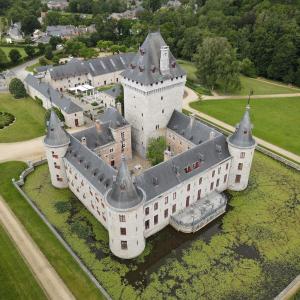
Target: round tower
[125, 215]
[56, 144]
[241, 146]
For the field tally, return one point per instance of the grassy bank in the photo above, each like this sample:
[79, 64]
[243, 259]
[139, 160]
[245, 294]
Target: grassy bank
[76, 280]
[16, 280]
[275, 120]
[29, 119]
[253, 253]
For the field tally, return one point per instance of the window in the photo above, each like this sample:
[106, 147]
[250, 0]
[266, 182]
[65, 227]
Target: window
[163, 111]
[124, 245]
[157, 127]
[219, 170]
[225, 178]
[147, 211]
[166, 200]
[240, 166]
[123, 135]
[187, 169]
[237, 178]
[122, 218]
[218, 182]
[199, 195]
[213, 173]
[173, 208]
[187, 201]
[174, 195]
[188, 187]
[54, 155]
[242, 155]
[166, 213]
[155, 219]
[147, 224]
[155, 206]
[227, 165]
[161, 98]
[56, 165]
[211, 186]
[123, 145]
[200, 180]
[196, 165]
[111, 150]
[123, 231]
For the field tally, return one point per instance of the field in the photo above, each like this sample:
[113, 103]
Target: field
[275, 120]
[252, 252]
[266, 87]
[78, 283]
[29, 119]
[16, 280]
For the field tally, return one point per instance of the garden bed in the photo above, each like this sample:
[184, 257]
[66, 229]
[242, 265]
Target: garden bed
[6, 119]
[250, 252]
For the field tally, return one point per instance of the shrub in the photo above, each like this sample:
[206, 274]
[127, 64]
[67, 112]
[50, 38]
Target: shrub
[16, 88]
[155, 151]
[94, 103]
[39, 101]
[14, 55]
[248, 68]
[62, 207]
[43, 61]
[81, 230]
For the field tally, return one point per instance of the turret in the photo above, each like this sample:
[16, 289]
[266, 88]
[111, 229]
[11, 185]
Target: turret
[56, 144]
[241, 146]
[126, 216]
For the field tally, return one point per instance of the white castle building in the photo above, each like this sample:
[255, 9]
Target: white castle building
[185, 191]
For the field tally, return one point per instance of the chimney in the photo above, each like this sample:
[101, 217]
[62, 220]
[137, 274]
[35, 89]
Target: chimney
[83, 140]
[164, 60]
[212, 135]
[98, 126]
[119, 107]
[167, 155]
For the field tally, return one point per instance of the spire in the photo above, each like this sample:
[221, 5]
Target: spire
[243, 134]
[56, 135]
[124, 193]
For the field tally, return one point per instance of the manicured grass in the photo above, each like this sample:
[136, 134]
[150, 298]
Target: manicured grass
[8, 48]
[263, 87]
[76, 280]
[275, 120]
[32, 67]
[254, 256]
[29, 119]
[16, 280]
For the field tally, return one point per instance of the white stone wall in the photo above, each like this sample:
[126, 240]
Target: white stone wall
[134, 236]
[178, 195]
[107, 100]
[70, 119]
[56, 165]
[177, 143]
[240, 167]
[149, 108]
[105, 79]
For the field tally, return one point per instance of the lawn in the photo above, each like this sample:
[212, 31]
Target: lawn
[29, 119]
[252, 252]
[31, 68]
[8, 48]
[76, 280]
[275, 120]
[267, 87]
[16, 280]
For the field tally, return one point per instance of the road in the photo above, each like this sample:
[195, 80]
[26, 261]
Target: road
[191, 96]
[20, 71]
[49, 280]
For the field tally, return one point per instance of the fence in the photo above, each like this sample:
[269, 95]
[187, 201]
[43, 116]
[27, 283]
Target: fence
[18, 185]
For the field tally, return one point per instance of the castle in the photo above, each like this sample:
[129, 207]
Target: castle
[185, 191]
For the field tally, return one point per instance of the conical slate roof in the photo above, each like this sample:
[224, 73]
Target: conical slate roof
[124, 193]
[243, 134]
[145, 67]
[56, 135]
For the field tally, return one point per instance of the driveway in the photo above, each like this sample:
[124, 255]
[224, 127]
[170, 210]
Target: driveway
[20, 71]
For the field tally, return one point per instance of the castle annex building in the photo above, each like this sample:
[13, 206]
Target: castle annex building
[185, 191]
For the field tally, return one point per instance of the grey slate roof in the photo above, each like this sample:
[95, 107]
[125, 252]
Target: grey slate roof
[91, 166]
[40, 69]
[65, 104]
[190, 128]
[95, 138]
[242, 137]
[95, 67]
[124, 193]
[145, 67]
[61, 30]
[168, 174]
[56, 135]
[113, 117]
[114, 92]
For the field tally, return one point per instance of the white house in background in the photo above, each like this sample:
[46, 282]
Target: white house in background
[73, 113]
[185, 191]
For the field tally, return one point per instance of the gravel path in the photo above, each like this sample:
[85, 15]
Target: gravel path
[49, 280]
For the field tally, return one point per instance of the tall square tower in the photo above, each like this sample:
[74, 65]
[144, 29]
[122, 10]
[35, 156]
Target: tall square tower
[153, 87]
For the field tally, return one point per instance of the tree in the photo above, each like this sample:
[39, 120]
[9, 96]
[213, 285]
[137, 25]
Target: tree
[152, 5]
[16, 88]
[248, 68]
[41, 48]
[73, 47]
[87, 52]
[3, 58]
[58, 113]
[29, 50]
[54, 41]
[30, 23]
[155, 151]
[14, 55]
[217, 65]
[48, 52]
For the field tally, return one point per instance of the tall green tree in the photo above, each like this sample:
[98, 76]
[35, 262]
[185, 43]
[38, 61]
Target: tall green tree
[29, 50]
[14, 55]
[217, 65]
[155, 151]
[3, 58]
[16, 88]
